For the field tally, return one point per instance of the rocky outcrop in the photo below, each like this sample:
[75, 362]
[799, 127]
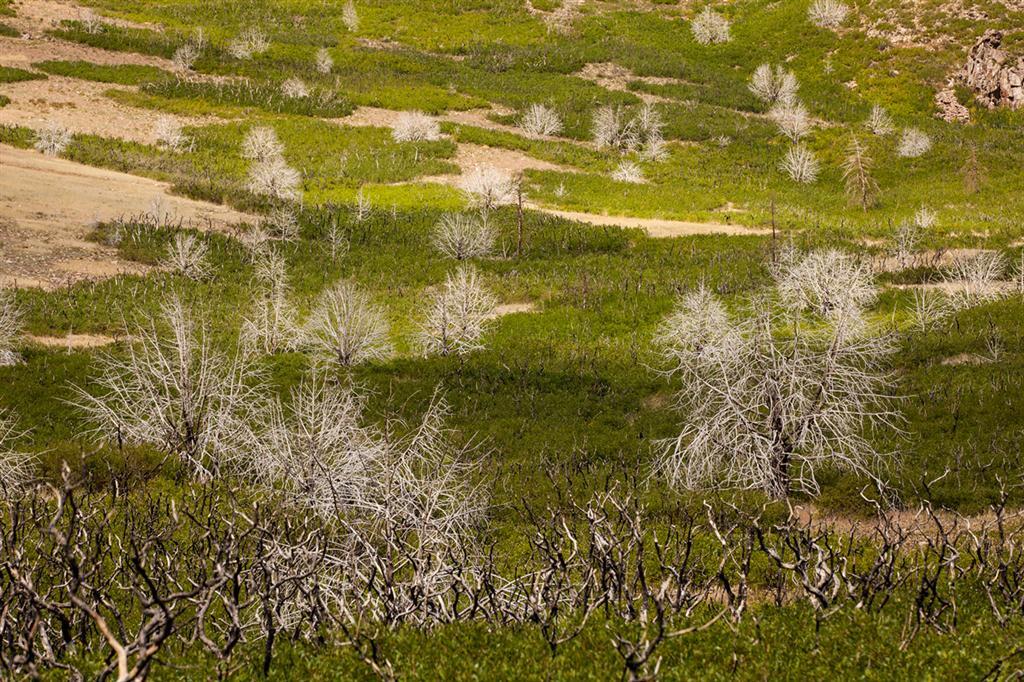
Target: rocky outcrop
[950, 109]
[995, 77]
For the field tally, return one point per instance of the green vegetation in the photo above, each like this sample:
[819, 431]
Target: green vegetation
[10, 74]
[567, 396]
[123, 74]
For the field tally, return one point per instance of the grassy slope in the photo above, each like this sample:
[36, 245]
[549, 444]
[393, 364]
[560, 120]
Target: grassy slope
[567, 392]
[506, 57]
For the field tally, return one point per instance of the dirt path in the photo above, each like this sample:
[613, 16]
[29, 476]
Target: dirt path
[48, 205]
[654, 227]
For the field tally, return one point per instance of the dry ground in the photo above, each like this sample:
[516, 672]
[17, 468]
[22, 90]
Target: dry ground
[48, 205]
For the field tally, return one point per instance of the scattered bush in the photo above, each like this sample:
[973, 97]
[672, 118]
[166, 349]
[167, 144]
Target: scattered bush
[828, 13]
[274, 178]
[457, 315]
[53, 140]
[10, 328]
[767, 407]
[168, 133]
[350, 17]
[710, 28]
[261, 144]
[925, 218]
[541, 120]
[16, 468]
[879, 121]
[976, 279]
[175, 391]
[272, 326]
[914, 143]
[346, 327]
[489, 187]
[800, 164]
[774, 85]
[188, 256]
[861, 187]
[415, 126]
[185, 56]
[251, 43]
[627, 171]
[461, 236]
[324, 61]
[825, 283]
[792, 119]
[615, 128]
[295, 88]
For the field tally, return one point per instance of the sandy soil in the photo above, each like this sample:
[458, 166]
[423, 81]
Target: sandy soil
[513, 308]
[22, 52]
[35, 16]
[935, 259]
[655, 227]
[469, 156]
[916, 522]
[81, 107]
[48, 205]
[72, 341]
[611, 76]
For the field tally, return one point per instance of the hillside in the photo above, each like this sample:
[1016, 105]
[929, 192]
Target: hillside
[490, 339]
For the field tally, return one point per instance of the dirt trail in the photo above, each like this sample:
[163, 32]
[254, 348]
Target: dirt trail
[47, 207]
[654, 227]
[513, 308]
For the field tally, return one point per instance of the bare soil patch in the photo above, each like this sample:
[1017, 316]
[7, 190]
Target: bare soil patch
[36, 16]
[655, 227]
[72, 341]
[611, 76]
[48, 206]
[470, 156]
[22, 53]
[513, 308]
[82, 107]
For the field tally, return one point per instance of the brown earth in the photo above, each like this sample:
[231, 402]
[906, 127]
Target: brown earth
[82, 107]
[35, 16]
[655, 227]
[48, 206]
[72, 341]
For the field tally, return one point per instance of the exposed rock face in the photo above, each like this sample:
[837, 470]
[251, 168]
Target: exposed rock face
[996, 78]
[950, 110]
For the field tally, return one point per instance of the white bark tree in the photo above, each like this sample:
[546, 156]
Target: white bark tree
[347, 328]
[16, 467]
[773, 396]
[176, 391]
[10, 328]
[457, 315]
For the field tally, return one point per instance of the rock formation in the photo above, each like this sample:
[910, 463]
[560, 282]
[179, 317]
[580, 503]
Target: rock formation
[996, 78]
[950, 110]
